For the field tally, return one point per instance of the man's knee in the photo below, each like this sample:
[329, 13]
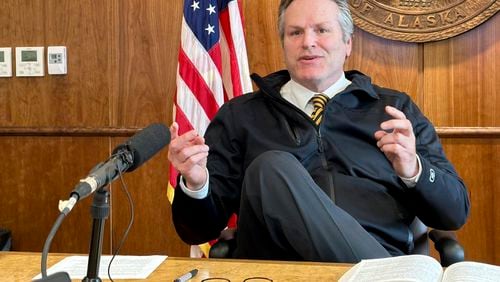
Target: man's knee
[272, 171]
[270, 161]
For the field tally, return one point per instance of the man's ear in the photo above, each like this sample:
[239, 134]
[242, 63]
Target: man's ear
[348, 47]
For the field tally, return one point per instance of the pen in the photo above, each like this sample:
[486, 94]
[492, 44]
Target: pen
[187, 276]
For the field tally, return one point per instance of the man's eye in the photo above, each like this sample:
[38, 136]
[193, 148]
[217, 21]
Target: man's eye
[323, 30]
[295, 33]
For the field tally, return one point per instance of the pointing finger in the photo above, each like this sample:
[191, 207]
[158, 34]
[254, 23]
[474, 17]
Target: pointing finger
[395, 113]
[174, 130]
[396, 124]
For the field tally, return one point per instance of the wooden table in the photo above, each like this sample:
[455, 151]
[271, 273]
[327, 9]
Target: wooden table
[21, 266]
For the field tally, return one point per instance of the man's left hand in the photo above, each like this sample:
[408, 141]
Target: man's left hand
[397, 141]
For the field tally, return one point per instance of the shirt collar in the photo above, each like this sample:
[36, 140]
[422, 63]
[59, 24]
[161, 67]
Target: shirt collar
[298, 95]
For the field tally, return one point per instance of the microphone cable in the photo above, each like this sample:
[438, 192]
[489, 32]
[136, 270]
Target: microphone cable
[45, 252]
[48, 241]
[124, 188]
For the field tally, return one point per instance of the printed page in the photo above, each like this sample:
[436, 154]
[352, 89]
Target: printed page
[411, 268]
[123, 267]
[472, 271]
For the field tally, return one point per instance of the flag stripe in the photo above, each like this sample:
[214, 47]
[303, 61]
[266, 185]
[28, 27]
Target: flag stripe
[192, 110]
[195, 84]
[230, 61]
[238, 51]
[226, 70]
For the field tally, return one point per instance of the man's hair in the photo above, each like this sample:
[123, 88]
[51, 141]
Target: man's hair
[345, 19]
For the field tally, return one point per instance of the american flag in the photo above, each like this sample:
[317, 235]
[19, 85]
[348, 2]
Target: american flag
[212, 66]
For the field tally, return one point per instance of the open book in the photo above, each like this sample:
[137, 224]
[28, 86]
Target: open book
[416, 268]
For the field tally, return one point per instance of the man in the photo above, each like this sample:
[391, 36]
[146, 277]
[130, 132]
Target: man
[343, 189]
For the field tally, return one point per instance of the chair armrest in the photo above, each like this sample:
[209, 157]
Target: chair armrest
[225, 245]
[446, 243]
[222, 249]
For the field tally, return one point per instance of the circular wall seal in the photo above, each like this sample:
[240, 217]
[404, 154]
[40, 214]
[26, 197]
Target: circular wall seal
[421, 20]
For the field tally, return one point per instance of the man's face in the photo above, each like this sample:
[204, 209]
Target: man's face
[314, 50]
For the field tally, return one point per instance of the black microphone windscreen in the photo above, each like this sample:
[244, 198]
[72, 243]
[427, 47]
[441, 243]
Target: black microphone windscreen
[146, 143]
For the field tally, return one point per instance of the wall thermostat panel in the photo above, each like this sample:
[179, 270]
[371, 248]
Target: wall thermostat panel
[29, 61]
[6, 62]
[57, 60]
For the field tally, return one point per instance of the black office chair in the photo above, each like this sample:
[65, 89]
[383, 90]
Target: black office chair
[5, 239]
[445, 242]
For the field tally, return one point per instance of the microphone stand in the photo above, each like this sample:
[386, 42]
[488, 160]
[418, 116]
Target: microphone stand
[99, 211]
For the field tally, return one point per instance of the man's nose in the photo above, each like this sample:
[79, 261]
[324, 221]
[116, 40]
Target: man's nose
[309, 40]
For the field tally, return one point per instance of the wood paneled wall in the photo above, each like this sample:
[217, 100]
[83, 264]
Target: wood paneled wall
[122, 57]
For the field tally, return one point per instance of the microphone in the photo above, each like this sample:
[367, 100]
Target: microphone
[125, 157]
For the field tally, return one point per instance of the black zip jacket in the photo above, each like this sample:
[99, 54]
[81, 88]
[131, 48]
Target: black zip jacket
[341, 155]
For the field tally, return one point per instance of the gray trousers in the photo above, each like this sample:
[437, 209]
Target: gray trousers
[284, 215]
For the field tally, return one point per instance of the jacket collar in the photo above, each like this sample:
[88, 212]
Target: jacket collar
[360, 83]
[272, 83]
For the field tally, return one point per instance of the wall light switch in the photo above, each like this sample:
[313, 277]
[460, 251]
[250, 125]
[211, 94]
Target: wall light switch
[57, 60]
[6, 62]
[29, 61]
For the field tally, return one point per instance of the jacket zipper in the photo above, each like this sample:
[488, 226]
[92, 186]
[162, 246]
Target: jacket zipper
[324, 163]
[321, 148]
[319, 139]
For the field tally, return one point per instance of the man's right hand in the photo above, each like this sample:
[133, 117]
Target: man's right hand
[188, 154]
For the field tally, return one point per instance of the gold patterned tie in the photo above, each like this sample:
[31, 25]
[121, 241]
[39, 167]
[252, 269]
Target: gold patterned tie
[319, 102]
